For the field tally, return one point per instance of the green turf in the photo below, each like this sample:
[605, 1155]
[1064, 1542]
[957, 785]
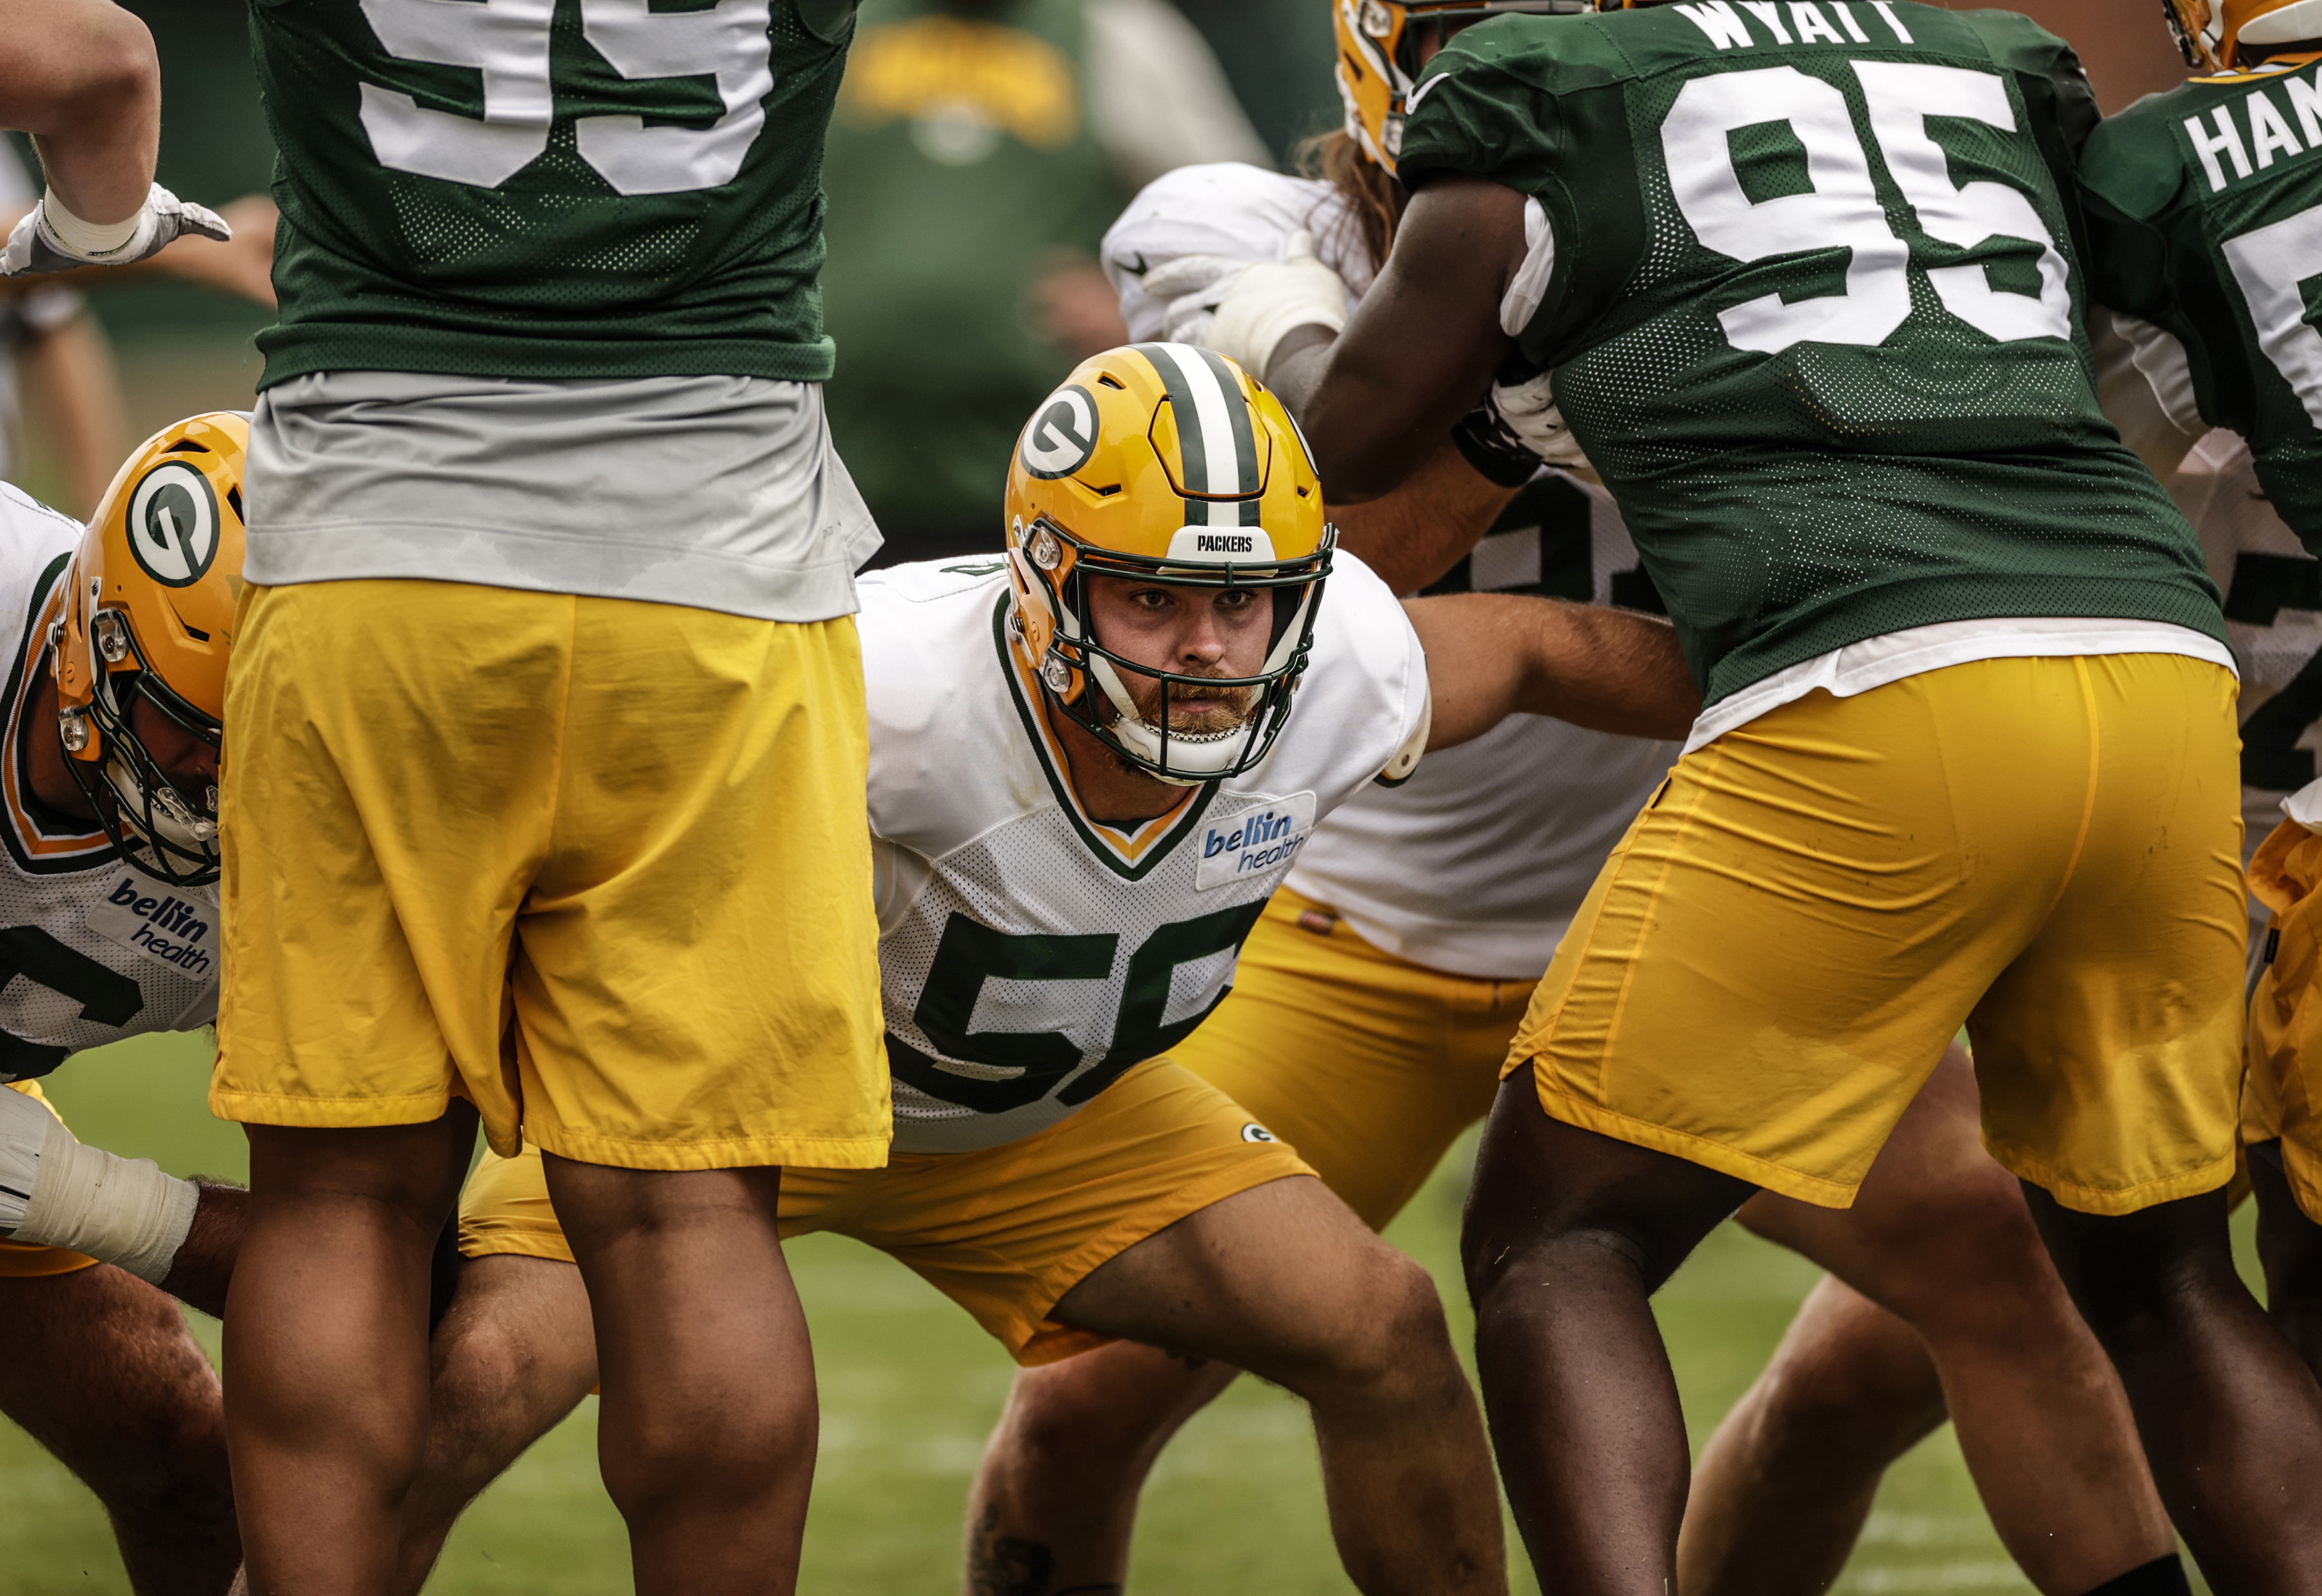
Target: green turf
[910, 1387]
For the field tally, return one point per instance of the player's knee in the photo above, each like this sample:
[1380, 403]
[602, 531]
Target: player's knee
[1505, 1271]
[1972, 1250]
[1398, 1337]
[171, 1485]
[2138, 1278]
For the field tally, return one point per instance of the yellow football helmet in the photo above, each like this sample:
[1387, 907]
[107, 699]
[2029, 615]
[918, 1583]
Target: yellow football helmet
[1378, 58]
[2211, 32]
[148, 615]
[1162, 463]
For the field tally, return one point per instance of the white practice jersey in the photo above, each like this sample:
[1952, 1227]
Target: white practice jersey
[1478, 863]
[2273, 621]
[91, 949]
[1029, 955]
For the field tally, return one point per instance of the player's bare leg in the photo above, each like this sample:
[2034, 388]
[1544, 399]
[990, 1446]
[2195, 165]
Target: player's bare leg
[1940, 1236]
[1785, 1484]
[707, 1431]
[333, 1277]
[101, 1372]
[2290, 1246]
[1073, 1447]
[1284, 1280]
[2231, 1420]
[1568, 1236]
[515, 1354]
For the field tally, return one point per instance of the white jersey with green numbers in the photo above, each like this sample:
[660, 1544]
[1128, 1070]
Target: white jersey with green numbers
[1029, 953]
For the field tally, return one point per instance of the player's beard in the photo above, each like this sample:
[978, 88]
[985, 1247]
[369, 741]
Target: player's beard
[1228, 710]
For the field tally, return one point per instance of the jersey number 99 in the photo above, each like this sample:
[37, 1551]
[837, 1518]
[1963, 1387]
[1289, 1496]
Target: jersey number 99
[506, 41]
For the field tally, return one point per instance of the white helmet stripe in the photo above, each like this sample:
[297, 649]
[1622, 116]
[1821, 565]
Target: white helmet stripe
[1210, 449]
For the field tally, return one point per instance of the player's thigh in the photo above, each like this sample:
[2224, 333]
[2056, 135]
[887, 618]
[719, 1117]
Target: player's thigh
[2109, 1053]
[1282, 1279]
[391, 792]
[102, 1371]
[1936, 1212]
[696, 973]
[1774, 958]
[1369, 1066]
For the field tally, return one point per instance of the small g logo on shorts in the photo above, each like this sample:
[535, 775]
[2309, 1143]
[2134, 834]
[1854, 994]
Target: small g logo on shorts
[1258, 1133]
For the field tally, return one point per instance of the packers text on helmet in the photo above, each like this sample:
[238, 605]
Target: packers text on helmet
[148, 615]
[1168, 465]
[2211, 33]
[1379, 61]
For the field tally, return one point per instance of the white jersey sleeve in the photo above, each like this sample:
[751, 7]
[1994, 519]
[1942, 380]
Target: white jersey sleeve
[1244, 213]
[92, 949]
[1478, 863]
[1029, 953]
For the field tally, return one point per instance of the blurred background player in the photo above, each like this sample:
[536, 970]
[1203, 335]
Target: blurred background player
[1128, 775]
[117, 688]
[1605, 1150]
[551, 599]
[979, 150]
[1378, 996]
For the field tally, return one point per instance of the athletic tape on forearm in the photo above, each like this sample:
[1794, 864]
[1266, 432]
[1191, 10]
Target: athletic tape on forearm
[92, 240]
[1268, 303]
[118, 1210]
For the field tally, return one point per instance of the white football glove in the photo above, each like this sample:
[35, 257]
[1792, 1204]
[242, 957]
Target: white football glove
[1527, 410]
[52, 239]
[1242, 309]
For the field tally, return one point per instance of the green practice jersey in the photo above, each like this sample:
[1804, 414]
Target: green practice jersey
[1815, 316]
[549, 188]
[2205, 218]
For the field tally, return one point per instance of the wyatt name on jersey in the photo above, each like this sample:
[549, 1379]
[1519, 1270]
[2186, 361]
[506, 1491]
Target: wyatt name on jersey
[1029, 953]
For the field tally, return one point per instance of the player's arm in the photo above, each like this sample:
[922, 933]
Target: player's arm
[1413, 535]
[78, 389]
[1491, 655]
[81, 76]
[1378, 400]
[57, 1191]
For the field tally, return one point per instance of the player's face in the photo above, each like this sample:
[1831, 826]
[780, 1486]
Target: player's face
[1192, 631]
[190, 763]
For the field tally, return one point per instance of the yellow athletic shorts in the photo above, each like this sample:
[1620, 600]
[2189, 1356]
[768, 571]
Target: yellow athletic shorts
[1368, 1065]
[2284, 1050]
[1004, 1232]
[20, 1261]
[599, 866]
[2047, 850]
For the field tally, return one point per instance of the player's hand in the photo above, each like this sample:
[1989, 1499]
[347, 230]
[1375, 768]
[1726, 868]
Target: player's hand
[35, 245]
[1528, 412]
[23, 1130]
[1243, 309]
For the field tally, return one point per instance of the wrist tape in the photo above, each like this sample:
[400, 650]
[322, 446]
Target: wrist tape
[92, 240]
[118, 1210]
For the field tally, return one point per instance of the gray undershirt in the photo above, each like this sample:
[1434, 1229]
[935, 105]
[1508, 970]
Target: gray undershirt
[722, 493]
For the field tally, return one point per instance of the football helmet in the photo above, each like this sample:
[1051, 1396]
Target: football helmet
[2210, 33]
[149, 618]
[1378, 58]
[1162, 463]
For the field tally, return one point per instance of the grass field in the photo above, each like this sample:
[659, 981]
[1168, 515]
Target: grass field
[909, 1387]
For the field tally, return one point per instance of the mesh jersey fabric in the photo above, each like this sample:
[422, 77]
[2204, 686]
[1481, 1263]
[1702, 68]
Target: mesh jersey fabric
[549, 188]
[1029, 955]
[1769, 343]
[91, 948]
[2205, 218]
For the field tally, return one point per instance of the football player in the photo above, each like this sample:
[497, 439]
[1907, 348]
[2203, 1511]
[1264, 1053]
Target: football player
[1378, 996]
[551, 601]
[80, 76]
[1092, 762]
[1842, 394]
[2204, 213]
[116, 647]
